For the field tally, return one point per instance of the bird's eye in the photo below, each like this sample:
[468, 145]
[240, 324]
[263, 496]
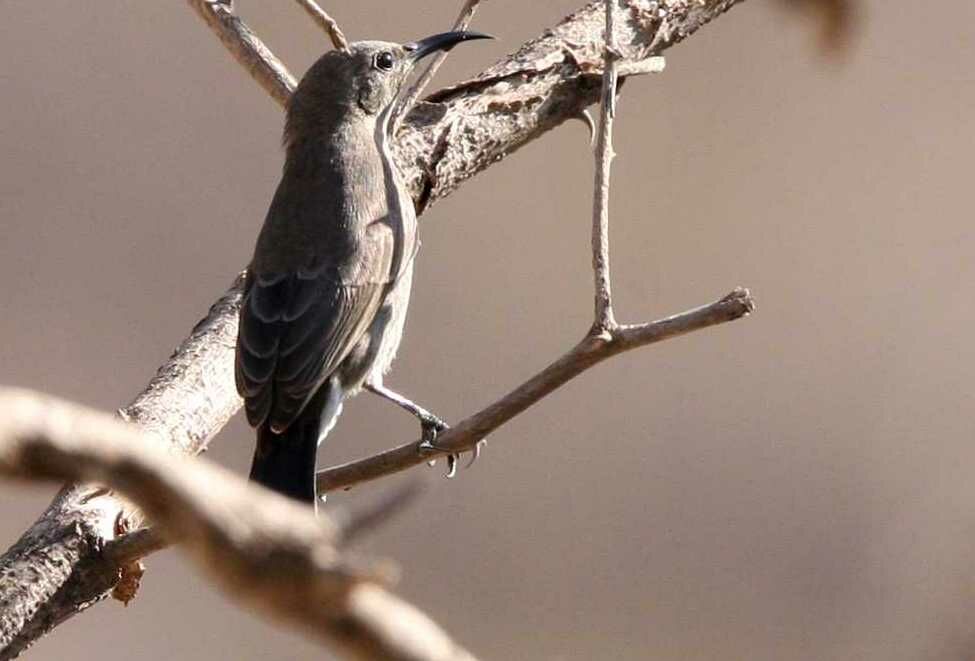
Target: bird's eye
[385, 61]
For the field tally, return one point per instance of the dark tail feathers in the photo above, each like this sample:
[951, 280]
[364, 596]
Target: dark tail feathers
[286, 462]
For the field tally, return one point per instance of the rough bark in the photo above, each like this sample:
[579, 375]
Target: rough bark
[265, 550]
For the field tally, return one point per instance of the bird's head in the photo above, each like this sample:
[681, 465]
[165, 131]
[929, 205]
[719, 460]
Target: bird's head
[366, 79]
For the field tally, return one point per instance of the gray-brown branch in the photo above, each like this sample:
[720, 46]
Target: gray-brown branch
[249, 51]
[59, 567]
[595, 347]
[603, 308]
[267, 551]
[326, 23]
[417, 88]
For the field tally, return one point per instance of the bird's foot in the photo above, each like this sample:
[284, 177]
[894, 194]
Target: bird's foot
[428, 444]
[431, 426]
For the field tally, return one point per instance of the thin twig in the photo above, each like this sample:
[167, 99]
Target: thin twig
[356, 522]
[604, 318]
[247, 48]
[413, 93]
[326, 23]
[593, 349]
[133, 546]
[265, 550]
[350, 526]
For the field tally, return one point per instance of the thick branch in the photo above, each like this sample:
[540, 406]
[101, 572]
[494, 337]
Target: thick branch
[461, 131]
[58, 566]
[594, 348]
[465, 128]
[471, 125]
[267, 551]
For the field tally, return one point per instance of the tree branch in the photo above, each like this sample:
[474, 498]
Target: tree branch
[604, 339]
[413, 94]
[133, 546]
[58, 567]
[592, 350]
[327, 23]
[604, 320]
[263, 549]
[249, 51]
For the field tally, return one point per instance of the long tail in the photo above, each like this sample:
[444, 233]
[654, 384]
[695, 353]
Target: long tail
[286, 462]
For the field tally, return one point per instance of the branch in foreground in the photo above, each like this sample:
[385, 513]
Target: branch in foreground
[594, 348]
[350, 525]
[264, 549]
[57, 568]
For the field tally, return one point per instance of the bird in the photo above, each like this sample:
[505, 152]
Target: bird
[327, 289]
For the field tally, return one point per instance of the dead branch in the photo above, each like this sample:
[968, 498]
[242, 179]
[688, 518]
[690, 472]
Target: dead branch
[604, 319]
[265, 550]
[413, 93]
[361, 520]
[605, 338]
[59, 567]
[246, 48]
[325, 22]
[593, 349]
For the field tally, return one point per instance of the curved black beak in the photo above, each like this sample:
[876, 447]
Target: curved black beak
[440, 42]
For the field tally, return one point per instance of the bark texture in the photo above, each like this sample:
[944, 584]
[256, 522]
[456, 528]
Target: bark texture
[265, 550]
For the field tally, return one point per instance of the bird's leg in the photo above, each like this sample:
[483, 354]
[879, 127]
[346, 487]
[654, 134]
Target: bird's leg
[430, 426]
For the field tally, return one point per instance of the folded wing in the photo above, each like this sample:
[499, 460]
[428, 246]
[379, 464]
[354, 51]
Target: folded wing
[295, 330]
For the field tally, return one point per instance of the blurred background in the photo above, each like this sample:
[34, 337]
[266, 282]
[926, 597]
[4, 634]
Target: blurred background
[793, 486]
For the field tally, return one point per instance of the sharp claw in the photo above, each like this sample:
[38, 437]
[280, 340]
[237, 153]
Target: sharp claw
[451, 466]
[475, 453]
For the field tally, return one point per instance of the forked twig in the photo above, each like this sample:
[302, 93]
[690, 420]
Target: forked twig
[593, 349]
[605, 338]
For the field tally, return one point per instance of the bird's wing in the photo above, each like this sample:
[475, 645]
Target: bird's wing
[295, 329]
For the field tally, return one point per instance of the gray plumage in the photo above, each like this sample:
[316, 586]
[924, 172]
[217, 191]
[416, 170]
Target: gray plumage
[329, 283]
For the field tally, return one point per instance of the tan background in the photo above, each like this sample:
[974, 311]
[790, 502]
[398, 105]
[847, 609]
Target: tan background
[794, 486]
